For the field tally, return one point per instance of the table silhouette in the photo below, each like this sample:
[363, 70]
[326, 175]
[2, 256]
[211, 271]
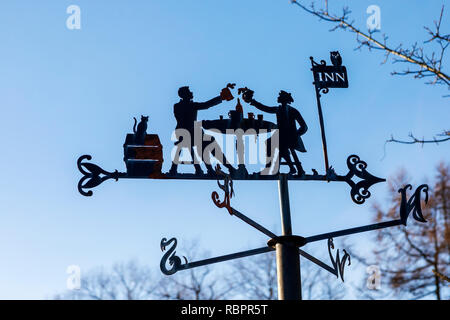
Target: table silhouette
[249, 127]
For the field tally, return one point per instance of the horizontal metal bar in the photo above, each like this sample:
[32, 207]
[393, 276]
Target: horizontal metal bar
[345, 232]
[317, 261]
[253, 223]
[225, 258]
[250, 177]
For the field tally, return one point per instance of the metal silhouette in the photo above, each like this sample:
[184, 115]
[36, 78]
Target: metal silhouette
[338, 262]
[185, 112]
[93, 175]
[143, 157]
[406, 207]
[359, 191]
[413, 204]
[141, 131]
[227, 187]
[336, 58]
[239, 126]
[170, 257]
[326, 77]
[289, 136]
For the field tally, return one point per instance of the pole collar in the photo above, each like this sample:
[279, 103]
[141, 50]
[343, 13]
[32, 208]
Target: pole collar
[296, 241]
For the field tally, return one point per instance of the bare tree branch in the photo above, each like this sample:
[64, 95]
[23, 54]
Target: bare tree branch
[429, 65]
[422, 141]
[414, 259]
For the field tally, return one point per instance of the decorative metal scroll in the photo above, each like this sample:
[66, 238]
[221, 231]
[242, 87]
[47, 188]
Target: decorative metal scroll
[316, 65]
[93, 175]
[360, 190]
[170, 257]
[227, 187]
[413, 204]
[338, 264]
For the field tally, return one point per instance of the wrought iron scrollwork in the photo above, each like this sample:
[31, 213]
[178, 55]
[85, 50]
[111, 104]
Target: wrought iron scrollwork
[313, 63]
[324, 90]
[338, 264]
[171, 257]
[360, 190]
[322, 63]
[227, 187]
[93, 175]
[413, 204]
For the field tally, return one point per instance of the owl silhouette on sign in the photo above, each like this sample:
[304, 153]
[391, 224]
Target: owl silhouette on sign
[335, 58]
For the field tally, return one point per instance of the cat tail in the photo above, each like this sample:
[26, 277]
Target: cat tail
[134, 127]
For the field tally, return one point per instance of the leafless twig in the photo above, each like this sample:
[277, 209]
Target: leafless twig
[429, 65]
[440, 275]
[422, 141]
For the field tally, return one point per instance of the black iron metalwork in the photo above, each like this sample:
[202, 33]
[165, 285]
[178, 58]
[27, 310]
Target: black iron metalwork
[289, 137]
[140, 130]
[185, 112]
[317, 261]
[93, 175]
[318, 90]
[143, 159]
[406, 207]
[274, 238]
[338, 264]
[252, 223]
[347, 232]
[296, 241]
[227, 187]
[326, 77]
[171, 257]
[242, 254]
[360, 190]
[176, 264]
[413, 204]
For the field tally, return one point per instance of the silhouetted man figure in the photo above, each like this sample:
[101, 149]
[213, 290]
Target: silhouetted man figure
[185, 112]
[289, 136]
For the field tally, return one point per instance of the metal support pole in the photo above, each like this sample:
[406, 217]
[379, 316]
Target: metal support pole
[288, 259]
[322, 130]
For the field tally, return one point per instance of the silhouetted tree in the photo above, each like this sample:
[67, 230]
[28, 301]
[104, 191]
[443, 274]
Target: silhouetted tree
[124, 281]
[195, 284]
[256, 278]
[415, 260]
[131, 281]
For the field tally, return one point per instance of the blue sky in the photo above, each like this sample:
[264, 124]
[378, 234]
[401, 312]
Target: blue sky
[64, 93]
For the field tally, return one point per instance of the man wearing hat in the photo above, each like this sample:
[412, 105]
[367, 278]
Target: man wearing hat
[289, 136]
[185, 112]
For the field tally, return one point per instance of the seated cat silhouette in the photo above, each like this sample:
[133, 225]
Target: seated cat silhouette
[141, 131]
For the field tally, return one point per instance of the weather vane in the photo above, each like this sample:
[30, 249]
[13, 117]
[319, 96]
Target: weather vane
[143, 156]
